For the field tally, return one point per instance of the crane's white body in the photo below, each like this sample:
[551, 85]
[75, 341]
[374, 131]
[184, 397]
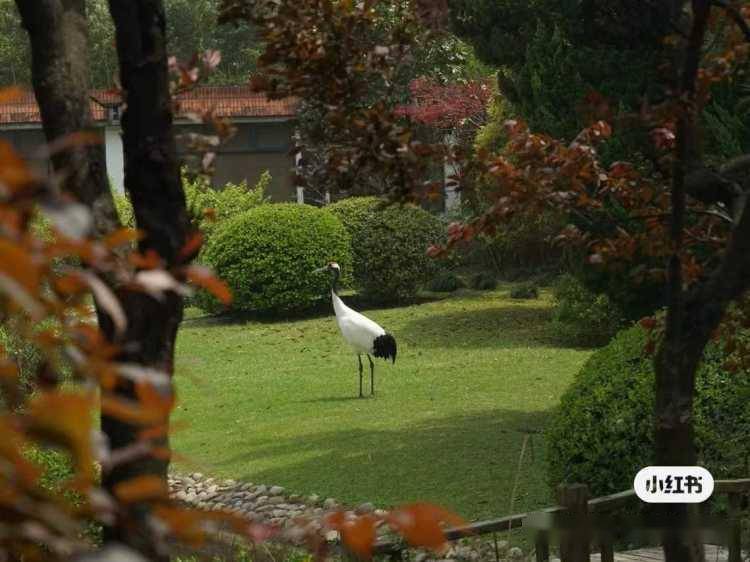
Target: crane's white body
[359, 331]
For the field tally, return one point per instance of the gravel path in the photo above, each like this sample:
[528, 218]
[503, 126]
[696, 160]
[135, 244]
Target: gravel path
[273, 505]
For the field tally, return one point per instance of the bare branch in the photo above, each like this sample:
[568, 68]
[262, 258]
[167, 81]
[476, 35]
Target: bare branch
[729, 184]
[736, 166]
[710, 186]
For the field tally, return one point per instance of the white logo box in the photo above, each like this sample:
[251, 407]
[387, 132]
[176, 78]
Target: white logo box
[673, 484]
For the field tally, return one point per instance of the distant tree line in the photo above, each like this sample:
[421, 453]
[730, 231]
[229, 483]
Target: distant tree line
[192, 27]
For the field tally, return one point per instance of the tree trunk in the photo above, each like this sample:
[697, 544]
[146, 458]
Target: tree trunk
[58, 34]
[675, 364]
[152, 179]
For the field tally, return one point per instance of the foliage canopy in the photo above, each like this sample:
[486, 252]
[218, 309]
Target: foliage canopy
[192, 28]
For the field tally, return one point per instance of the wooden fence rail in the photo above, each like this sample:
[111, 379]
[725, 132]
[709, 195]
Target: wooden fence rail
[575, 514]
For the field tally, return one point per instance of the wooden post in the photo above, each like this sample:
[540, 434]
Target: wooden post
[574, 541]
[541, 546]
[735, 528]
[604, 539]
[608, 551]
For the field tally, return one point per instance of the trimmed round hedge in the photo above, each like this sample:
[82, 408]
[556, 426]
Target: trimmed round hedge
[602, 433]
[267, 256]
[389, 247]
[355, 213]
[446, 282]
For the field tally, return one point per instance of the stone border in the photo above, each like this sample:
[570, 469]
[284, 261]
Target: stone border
[258, 502]
[272, 505]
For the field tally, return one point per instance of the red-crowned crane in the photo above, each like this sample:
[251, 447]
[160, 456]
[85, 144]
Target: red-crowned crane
[361, 333]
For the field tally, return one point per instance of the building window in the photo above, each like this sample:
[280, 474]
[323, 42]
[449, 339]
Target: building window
[113, 113]
[269, 138]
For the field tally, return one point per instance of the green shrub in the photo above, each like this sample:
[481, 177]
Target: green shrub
[24, 354]
[56, 472]
[445, 282]
[354, 213]
[492, 136]
[227, 202]
[581, 317]
[389, 246]
[124, 209]
[525, 291]
[602, 434]
[522, 245]
[27, 356]
[726, 121]
[483, 281]
[267, 256]
[56, 466]
[526, 241]
[634, 296]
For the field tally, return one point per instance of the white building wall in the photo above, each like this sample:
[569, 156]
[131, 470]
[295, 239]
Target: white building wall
[115, 158]
[452, 194]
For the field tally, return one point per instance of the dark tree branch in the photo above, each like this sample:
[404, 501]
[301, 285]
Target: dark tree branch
[706, 305]
[710, 186]
[729, 184]
[152, 179]
[738, 167]
[59, 45]
[708, 213]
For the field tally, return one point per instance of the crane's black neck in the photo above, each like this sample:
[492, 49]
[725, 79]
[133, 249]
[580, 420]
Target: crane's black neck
[335, 273]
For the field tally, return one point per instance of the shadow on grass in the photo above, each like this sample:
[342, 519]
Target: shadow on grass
[334, 399]
[321, 309]
[498, 326]
[468, 463]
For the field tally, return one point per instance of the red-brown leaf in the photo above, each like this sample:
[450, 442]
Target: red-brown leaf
[66, 418]
[421, 524]
[435, 251]
[359, 535]
[107, 300]
[14, 172]
[211, 59]
[191, 247]
[203, 277]
[21, 297]
[72, 140]
[141, 488]
[122, 237]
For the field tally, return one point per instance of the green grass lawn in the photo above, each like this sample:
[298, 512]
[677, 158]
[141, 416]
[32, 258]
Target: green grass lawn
[275, 403]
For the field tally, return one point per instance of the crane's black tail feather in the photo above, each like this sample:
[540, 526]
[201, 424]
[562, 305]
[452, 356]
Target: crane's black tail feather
[385, 346]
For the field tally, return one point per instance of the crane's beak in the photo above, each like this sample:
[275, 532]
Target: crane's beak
[321, 270]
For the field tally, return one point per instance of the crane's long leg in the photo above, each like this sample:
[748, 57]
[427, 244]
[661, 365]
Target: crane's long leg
[372, 375]
[359, 358]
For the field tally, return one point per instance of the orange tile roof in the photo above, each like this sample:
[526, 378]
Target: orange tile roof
[225, 101]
